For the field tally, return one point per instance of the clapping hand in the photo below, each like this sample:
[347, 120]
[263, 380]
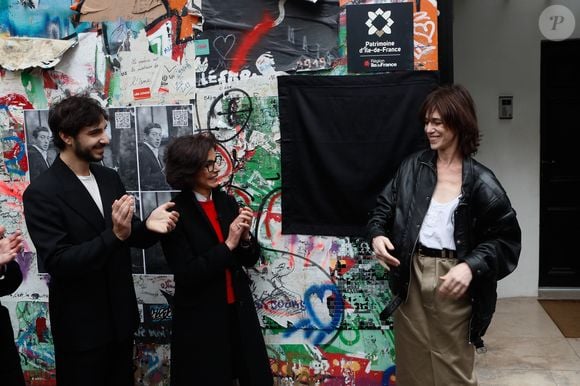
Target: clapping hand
[162, 220]
[122, 214]
[240, 228]
[9, 246]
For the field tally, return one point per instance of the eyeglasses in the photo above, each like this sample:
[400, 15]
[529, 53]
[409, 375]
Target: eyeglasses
[210, 165]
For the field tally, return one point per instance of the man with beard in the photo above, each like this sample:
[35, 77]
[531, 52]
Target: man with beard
[38, 151]
[150, 161]
[82, 224]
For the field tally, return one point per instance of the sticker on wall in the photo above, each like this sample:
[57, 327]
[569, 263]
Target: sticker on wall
[380, 37]
[425, 34]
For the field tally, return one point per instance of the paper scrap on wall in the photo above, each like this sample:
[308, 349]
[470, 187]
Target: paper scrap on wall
[103, 10]
[76, 72]
[146, 78]
[23, 53]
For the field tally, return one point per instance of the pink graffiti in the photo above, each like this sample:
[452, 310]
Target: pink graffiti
[14, 189]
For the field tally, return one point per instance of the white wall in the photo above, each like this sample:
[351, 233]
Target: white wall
[496, 47]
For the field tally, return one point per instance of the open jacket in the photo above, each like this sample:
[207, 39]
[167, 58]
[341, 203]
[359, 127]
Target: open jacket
[200, 341]
[91, 294]
[487, 234]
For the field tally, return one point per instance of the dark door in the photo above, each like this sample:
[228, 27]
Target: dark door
[560, 164]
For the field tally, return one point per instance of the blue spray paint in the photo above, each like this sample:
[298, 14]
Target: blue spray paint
[313, 327]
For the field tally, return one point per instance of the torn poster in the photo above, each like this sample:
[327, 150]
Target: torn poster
[190, 18]
[23, 53]
[103, 10]
[76, 73]
[295, 36]
[146, 78]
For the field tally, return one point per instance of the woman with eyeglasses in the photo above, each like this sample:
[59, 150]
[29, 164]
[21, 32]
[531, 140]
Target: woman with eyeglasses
[216, 337]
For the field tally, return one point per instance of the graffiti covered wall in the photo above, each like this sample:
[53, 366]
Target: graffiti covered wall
[193, 66]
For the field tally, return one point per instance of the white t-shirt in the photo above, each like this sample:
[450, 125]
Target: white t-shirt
[91, 184]
[438, 226]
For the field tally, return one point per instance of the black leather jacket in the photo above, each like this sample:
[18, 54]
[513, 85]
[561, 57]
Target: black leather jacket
[487, 233]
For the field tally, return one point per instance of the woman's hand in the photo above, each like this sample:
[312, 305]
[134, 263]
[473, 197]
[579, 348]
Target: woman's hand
[240, 228]
[9, 246]
[381, 247]
[456, 282]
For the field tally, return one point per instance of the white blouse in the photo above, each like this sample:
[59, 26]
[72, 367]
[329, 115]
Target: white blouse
[438, 226]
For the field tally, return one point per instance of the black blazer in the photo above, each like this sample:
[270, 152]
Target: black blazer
[36, 162]
[150, 169]
[201, 316]
[9, 358]
[91, 295]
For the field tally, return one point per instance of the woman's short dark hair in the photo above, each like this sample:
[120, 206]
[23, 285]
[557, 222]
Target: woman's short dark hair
[185, 157]
[71, 114]
[457, 110]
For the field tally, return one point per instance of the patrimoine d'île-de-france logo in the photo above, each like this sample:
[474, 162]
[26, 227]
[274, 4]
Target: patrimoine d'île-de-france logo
[379, 22]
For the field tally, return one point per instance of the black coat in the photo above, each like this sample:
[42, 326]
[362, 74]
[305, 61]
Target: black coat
[200, 349]
[11, 372]
[92, 299]
[487, 234]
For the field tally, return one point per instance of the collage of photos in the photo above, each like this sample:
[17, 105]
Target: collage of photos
[138, 139]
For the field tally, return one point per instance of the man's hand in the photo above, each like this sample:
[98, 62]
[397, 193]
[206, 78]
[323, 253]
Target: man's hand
[9, 246]
[162, 220]
[455, 283]
[381, 247]
[122, 214]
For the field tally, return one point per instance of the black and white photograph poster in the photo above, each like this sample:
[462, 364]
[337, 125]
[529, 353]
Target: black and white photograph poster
[380, 37]
[156, 127]
[39, 145]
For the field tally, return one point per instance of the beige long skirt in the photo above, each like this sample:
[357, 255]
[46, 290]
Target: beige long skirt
[431, 331]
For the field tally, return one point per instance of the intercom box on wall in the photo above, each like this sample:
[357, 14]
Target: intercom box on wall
[506, 107]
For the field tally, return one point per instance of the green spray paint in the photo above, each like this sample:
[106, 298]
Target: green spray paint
[34, 86]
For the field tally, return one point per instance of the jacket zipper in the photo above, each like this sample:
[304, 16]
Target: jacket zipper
[417, 239]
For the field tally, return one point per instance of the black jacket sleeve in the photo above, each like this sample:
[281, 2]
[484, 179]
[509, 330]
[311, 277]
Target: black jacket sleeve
[381, 217]
[498, 244]
[248, 256]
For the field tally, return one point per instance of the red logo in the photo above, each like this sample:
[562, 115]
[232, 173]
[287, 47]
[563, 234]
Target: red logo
[142, 93]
